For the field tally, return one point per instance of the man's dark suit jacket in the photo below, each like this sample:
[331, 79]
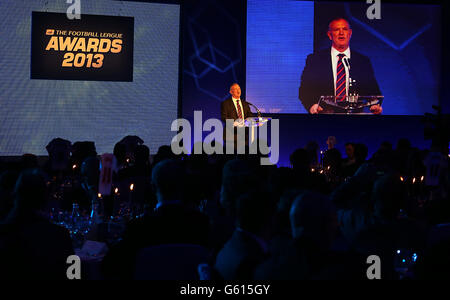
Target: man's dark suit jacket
[317, 77]
[228, 111]
[169, 224]
[34, 248]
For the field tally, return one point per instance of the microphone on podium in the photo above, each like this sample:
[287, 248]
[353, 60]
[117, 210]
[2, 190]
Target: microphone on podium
[257, 110]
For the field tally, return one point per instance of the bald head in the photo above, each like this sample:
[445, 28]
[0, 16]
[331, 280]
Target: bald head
[313, 216]
[235, 90]
[168, 177]
[330, 25]
[339, 33]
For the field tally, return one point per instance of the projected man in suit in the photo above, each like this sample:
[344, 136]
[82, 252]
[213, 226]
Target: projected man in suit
[325, 72]
[234, 108]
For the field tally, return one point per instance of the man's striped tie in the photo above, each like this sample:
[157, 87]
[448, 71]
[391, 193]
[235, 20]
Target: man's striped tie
[341, 80]
[239, 109]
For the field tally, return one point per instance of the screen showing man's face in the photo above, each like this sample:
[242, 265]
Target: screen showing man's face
[398, 56]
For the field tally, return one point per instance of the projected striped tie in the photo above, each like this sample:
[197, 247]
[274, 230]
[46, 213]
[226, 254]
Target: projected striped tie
[341, 79]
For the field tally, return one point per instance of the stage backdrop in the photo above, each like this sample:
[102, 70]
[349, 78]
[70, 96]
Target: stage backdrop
[142, 100]
[215, 45]
[214, 54]
[404, 47]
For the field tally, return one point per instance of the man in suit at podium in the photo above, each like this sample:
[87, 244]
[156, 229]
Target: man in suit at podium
[234, 108]
[327, 73]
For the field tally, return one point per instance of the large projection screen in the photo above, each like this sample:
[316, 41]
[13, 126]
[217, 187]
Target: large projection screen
[404, 48]
[34, 111]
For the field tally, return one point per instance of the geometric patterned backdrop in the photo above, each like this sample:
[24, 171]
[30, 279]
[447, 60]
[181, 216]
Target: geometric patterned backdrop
[213, 53]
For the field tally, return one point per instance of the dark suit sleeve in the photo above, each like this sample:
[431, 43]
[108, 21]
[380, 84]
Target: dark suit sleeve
[306, 92]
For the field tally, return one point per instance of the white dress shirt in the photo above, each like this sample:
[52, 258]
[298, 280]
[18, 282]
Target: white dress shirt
[240, 104]
[334, 62]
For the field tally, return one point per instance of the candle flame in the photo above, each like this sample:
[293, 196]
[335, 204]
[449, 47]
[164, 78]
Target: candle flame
[131, 186]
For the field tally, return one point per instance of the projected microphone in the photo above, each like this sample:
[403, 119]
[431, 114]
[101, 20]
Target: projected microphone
[257, 110]
[351, 82]
[347, 62]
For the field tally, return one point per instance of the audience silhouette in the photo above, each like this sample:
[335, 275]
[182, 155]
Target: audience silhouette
[320, 218]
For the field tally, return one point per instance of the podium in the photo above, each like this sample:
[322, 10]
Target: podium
[352, 104]
[252, 123]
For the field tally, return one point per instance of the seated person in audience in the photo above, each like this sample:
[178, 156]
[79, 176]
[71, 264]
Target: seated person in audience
[306, 176]
[332, 164]
[310, 255]
[239, 176]
[142, 165]
[355, 192]
[386, 200]
[361, 152]
[380, 230]
[402, 155]
[248, 245]
[281, 229]
[349, 165]
[172, 222]
[164, 152]
[58, 157]
[384, 158]
[140, 175]
[313, 149]
[30, 246]
[8, 180]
